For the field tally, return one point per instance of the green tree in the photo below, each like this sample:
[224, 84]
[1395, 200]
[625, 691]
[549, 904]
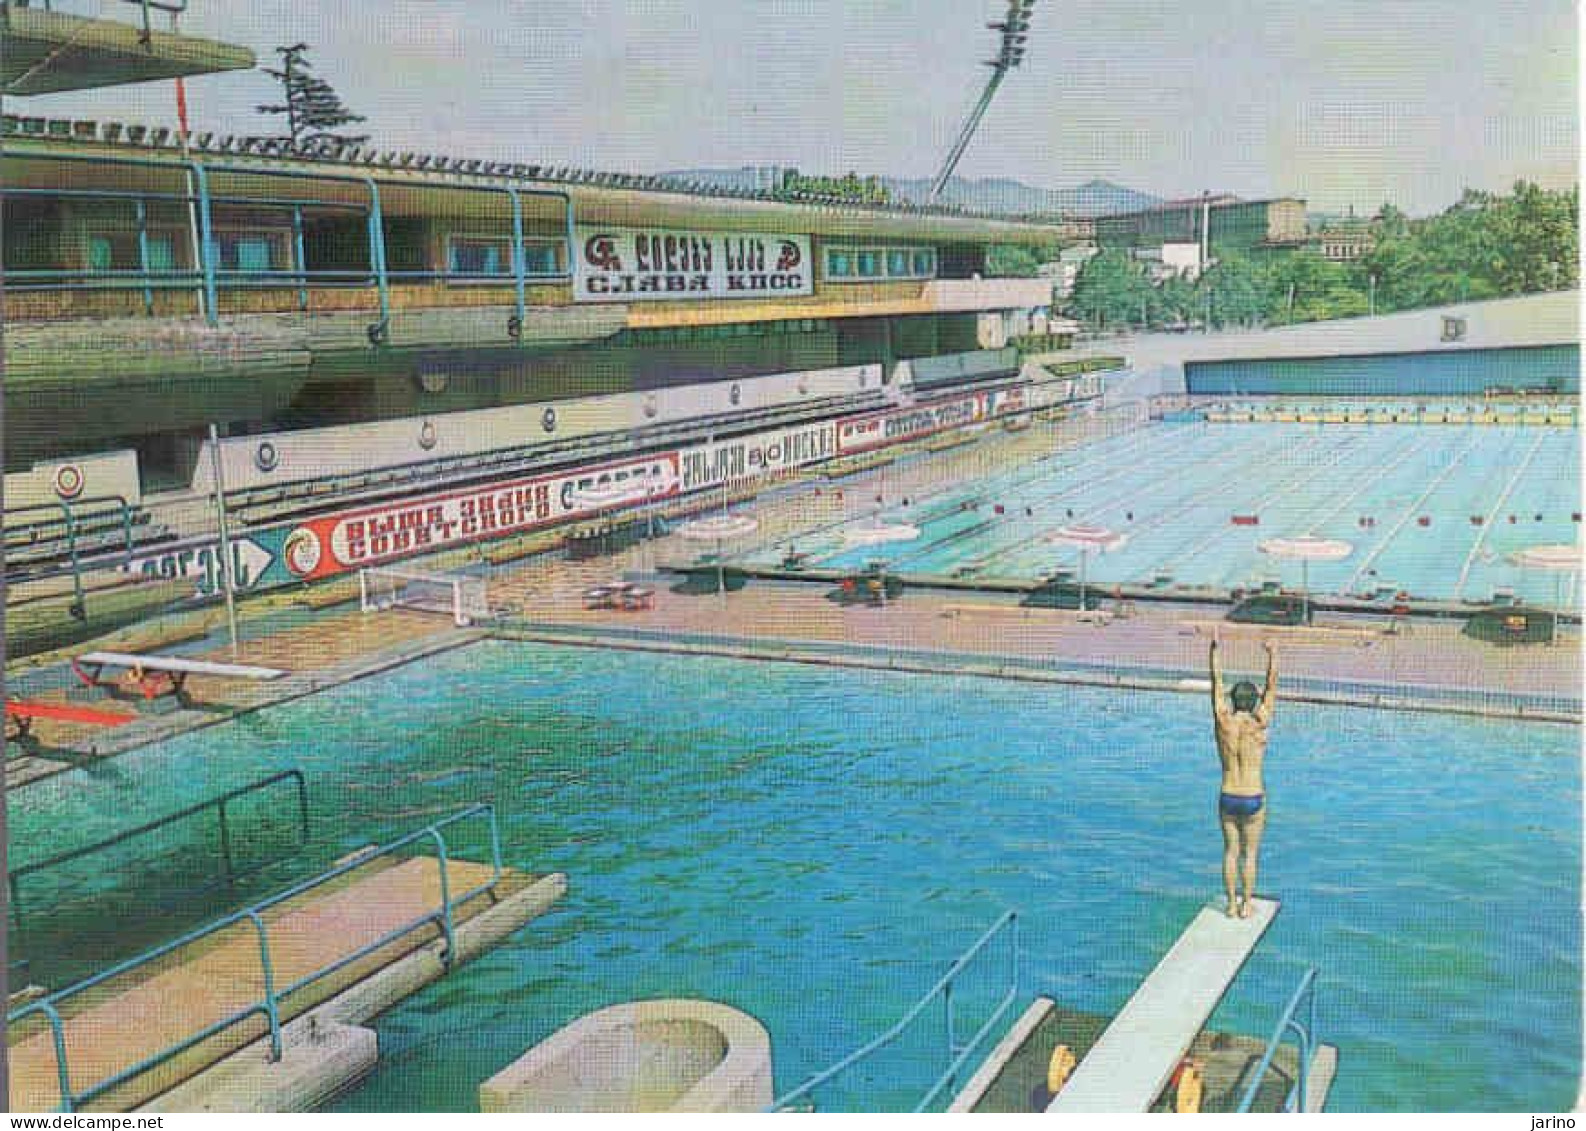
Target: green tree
[1112, 291]
[1233, 293]
[312, 108]
[1017, 261]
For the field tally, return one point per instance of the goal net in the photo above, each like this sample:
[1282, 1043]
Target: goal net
[458, 596]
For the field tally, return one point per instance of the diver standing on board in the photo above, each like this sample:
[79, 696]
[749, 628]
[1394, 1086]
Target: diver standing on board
[1239, 723]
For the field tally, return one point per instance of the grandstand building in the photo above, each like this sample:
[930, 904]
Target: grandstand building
[366, 329]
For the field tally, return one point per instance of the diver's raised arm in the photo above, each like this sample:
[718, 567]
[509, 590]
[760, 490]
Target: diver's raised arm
[1269, 695]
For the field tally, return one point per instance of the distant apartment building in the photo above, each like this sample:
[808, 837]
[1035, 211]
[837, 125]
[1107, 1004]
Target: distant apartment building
[1344, 241]
[1217, 224]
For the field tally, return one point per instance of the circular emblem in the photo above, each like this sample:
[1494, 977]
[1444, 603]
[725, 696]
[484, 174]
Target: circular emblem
[804, 385]
[301, 551]
[735, 394]
[650, 407]
[427, 435]
[265, 457]
[433, 381]
[68, 481]
[548, 419]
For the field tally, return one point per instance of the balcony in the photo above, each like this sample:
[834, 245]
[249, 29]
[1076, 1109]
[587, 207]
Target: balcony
[944, 296]
[48, 46]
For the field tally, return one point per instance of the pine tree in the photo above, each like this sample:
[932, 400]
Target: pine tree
[312, 108]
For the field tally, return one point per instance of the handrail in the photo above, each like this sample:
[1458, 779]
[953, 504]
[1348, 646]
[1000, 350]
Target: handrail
[219, 802]
[959, 1053]
[78, 607]
[209, 274]
[1305, 1038]
[269, 1004]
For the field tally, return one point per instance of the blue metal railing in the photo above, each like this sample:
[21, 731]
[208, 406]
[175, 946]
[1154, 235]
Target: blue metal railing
[219, 803]
[957, 1052]
[269, 1004]
[1305, 1040]
[210, 276]
[71, 520]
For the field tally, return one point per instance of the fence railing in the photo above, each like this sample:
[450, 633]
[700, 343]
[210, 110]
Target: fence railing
[220, 803]
[210, 276]
[957, 1051]
[1304, 1033]
[72, 516]
[268, 1005]
[1341, 691]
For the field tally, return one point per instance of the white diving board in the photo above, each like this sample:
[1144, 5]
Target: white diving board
[1134, 1059]
[176, 664]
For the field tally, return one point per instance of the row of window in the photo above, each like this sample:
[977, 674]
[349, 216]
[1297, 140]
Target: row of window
[665, 335]
[488, 255]
[854, 264]
[271, 251]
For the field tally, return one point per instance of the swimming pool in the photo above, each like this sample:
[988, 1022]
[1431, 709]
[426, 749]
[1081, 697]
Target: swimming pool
[1435, 510]
[814, 844]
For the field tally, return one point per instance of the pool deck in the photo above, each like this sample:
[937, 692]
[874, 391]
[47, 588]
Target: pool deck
[983, 632]
[1355, 649]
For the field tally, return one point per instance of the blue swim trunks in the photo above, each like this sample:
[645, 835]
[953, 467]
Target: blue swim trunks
[1234, 805]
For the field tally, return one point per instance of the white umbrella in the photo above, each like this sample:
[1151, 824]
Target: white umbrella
[718, 528]
[1087, 539]
[1307, 548]
[878, 534]
[1559, 560]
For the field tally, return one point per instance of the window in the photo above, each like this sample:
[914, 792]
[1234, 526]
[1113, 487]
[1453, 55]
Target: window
[99, 253]
[488, 256]
[542, 257]
[478, 257]
[251, 251]
[162, 253]
[880, 263]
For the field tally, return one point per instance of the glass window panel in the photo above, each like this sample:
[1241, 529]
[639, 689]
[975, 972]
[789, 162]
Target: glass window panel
[162, 253]
[838, 264]
[99, 253]
[868, 264]
[897, 262]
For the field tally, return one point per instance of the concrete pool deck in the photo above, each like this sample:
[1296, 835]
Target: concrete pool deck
[984, 631]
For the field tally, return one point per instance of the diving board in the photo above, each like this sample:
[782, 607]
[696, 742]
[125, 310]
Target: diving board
[157, 675]
[1134, 1059]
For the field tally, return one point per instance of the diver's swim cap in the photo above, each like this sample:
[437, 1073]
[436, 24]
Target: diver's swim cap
[1244, 696]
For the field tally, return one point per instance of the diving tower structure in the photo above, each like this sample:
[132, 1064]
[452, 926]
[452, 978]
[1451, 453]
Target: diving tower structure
[47, 47]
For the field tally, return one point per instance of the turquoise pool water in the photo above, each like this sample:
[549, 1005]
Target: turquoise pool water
[814, 845]
[1174, 488]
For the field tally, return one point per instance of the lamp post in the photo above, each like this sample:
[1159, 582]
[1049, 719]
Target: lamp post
[1014, 27]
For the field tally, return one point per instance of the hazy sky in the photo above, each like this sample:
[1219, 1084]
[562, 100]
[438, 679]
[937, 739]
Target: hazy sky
[1342, 102]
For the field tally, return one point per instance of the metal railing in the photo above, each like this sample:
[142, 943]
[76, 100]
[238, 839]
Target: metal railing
[71, 519]
[210, 276]
[269, 1005]
[219, 803]
[1305, 1041]
[1312, 688]
[957, 1052]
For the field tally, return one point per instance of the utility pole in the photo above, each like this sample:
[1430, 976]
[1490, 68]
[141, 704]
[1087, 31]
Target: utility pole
[1015, 27]
[224, 555]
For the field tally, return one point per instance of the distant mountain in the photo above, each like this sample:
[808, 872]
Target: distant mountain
[994, 194]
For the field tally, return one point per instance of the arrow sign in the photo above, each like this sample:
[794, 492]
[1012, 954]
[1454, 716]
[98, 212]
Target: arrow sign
[199, 563]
